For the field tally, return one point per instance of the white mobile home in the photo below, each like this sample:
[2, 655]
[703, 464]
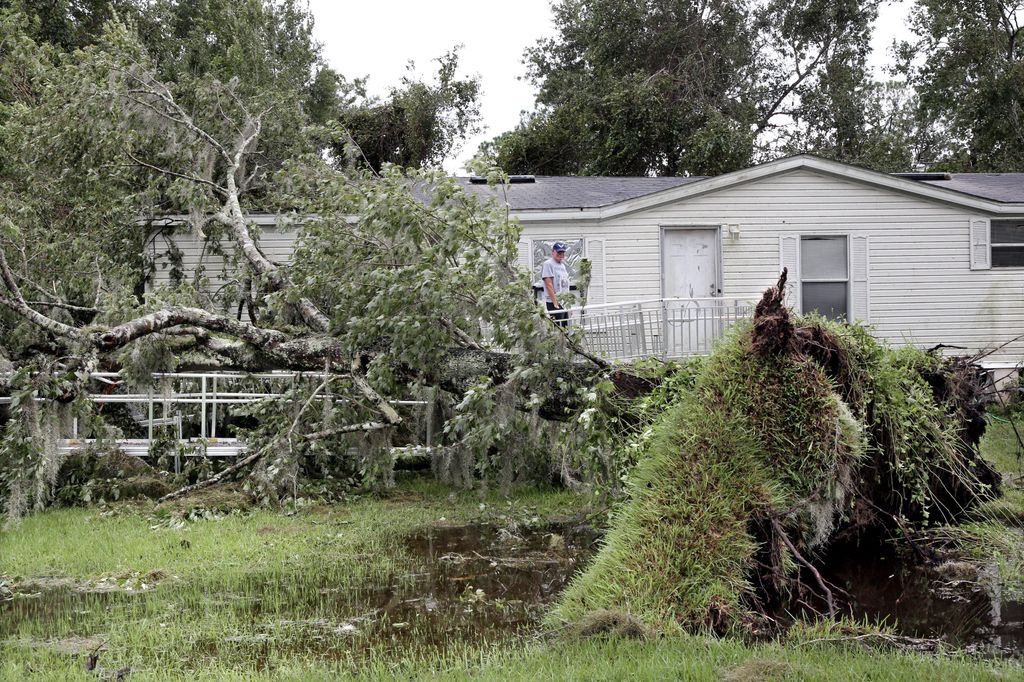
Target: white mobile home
[926, 259]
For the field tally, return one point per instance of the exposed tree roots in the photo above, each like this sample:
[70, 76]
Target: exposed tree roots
[795, 435]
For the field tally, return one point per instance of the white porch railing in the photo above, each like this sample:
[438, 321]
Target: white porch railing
[193, 405]
[667, 328]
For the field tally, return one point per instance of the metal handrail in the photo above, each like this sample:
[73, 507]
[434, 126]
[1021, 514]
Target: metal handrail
[645, 301]
[668, 328]
[207, 399]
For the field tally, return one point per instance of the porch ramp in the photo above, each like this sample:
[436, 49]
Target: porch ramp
[665, 328]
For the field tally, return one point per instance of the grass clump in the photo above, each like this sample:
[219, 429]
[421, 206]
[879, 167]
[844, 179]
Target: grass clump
[791, 433]
[609, 624]
[758, 438]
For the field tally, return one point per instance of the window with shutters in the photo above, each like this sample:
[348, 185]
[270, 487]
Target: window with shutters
[825, 276]
[1008, 243]
[542, 251]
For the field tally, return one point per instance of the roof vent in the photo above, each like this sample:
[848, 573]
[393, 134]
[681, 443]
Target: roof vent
[512, 179]
[924, 176]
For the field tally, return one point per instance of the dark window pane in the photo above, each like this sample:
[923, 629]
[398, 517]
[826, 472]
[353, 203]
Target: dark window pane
[823, 257]
[1007, 232]
[826, 298]
[1008, 256]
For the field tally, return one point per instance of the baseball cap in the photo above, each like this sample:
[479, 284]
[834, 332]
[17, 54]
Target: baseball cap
[559, 246]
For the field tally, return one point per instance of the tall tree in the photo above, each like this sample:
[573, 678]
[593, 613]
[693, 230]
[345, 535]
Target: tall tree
[419, 123]
[633, 88]
[672, 87]
[815, 86]
[967, 64]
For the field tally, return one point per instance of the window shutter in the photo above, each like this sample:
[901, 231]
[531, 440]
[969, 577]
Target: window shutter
[597, 292]
[789, 258]
[860, 279]
[981, 257]
[523, 260]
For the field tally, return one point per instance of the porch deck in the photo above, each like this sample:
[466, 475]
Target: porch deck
[666, 328]
[193, 404]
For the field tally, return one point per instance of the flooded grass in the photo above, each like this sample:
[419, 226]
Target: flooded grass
[416, 577]
[470, 585]
[959, 603]
[427, 583]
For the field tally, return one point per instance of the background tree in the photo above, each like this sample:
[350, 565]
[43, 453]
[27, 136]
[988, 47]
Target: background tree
[967, 65]
[633, 88]
[419, 123]
[71, 24]
[677, 87]
[817, 93]
[269, 46]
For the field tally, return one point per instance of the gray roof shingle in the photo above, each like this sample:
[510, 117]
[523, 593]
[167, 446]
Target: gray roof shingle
[564, 191]
[553, 192]
[1007, 188]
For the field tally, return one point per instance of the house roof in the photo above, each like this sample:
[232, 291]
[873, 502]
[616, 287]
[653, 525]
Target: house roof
[558, 193]
[1006, 188]
[565, 191]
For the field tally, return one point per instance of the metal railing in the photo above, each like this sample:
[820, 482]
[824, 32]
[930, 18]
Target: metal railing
[190, 405]
[667, 328]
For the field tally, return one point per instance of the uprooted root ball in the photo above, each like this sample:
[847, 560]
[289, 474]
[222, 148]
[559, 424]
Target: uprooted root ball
[789, 436]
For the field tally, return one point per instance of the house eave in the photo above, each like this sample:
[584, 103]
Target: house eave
[803, 162]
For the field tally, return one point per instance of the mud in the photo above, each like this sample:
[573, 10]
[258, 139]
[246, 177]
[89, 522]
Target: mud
[957, 602]
[457, 585]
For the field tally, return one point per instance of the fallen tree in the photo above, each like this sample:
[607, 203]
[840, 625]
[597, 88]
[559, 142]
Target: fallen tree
[792, 434]
[397, 276]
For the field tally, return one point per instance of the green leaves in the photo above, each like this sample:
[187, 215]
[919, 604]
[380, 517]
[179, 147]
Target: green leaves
[419, 124]
[970, 76]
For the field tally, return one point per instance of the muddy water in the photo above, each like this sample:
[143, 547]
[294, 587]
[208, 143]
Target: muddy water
[952, 602]
[454, 586]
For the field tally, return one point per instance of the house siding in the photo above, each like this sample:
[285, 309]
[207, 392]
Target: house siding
[921, 288]
[275, 243]
[920, 284]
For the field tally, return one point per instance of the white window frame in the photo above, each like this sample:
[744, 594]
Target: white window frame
[831, 280]
[994, 245]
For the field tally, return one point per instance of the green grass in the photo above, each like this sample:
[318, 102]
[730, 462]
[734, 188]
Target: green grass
[91, 543]
[179, 631]
[230, 592]
[679, 658]
[190, 629]
[1000, 446]
[995, 536]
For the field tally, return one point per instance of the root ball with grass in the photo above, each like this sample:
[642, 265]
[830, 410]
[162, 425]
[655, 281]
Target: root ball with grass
[794, 432]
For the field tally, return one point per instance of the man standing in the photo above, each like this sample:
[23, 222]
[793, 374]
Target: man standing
[556, 283]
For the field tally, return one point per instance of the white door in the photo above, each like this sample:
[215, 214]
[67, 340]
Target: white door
[689, 263]
[689, 267]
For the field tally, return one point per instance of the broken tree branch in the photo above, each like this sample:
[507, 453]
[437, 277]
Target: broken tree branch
[215, 479]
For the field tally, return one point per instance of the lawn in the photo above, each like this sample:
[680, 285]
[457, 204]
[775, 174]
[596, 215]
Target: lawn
[323, 592]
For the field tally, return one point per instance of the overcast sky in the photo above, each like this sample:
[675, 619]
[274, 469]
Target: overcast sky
[378, 38]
